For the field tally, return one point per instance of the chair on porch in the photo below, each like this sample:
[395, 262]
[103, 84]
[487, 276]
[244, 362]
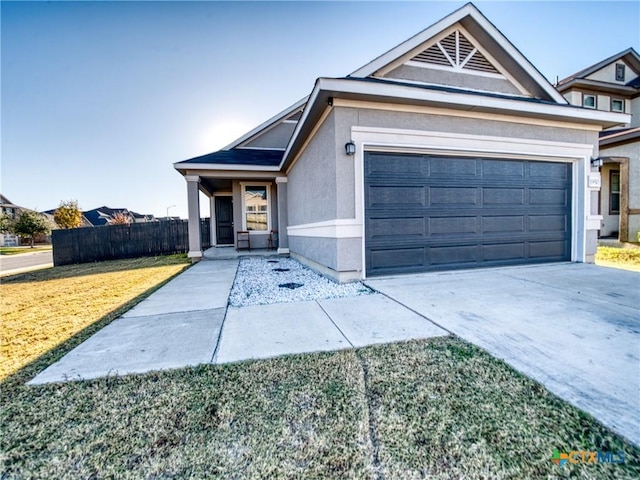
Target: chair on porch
[272, 241]
[243, 240]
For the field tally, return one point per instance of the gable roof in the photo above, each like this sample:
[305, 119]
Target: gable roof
[629, 55]
[5, 202]
[237, 156]
[482, 29]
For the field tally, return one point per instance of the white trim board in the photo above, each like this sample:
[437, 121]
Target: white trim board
[381, 139]
[340, 228]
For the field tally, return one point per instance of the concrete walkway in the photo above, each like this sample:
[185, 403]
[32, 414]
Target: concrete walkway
[176, 326]
[183, 323]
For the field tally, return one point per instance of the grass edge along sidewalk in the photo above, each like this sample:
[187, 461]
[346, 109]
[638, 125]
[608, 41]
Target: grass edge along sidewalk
[44, 310]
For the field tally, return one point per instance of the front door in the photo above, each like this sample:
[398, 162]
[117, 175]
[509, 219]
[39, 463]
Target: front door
[224, 220]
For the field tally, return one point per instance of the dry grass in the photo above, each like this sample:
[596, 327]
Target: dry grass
[437, 408]
[624, 258]
[41, 310]
[445, 409]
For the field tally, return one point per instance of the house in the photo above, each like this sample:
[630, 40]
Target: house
[102, 215]
[7, 207]
[448, 151]
[613, 85]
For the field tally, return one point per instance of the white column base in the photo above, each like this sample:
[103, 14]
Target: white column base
[196, 255]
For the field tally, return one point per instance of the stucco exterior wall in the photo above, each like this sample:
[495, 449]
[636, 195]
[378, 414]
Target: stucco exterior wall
[312, 186]
[443, 123]
[453, 79]
[608, 73]
[634, 110]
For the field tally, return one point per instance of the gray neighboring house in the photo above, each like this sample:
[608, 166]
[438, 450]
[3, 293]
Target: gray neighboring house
[613, 85]
[7, 207]
[451, 150]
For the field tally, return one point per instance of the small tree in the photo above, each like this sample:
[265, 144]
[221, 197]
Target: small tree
[68, 215]
[120, 218]
[6, 223]
[30, 224]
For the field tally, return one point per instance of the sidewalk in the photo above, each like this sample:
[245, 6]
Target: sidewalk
[187, 322]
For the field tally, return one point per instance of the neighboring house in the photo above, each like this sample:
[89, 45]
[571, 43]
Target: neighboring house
[613, 85]
[102, 215]
[448, 151]
[12, 211]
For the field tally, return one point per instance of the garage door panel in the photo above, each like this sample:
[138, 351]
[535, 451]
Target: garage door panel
[510, 251]
[548, 170]
[453, 167]
[395, 195]
[548, 196]
[440, 196]
[503, 196]
[504, 223]
[453, 225]
[397, 165]
[548, 223]
[501, 169]
[550, 249]
[397, 227]
[458, 254]
[398, 258]
[462, 212]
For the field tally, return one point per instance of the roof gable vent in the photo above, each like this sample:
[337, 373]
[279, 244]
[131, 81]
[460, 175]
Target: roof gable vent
[456, 51]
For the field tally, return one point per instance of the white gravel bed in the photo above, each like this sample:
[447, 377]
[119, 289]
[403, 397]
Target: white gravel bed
[258, 283]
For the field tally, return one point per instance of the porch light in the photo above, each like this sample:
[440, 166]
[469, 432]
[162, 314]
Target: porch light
[597, 162]
[350, 148]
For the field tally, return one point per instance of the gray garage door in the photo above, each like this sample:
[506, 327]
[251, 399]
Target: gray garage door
[427, 212]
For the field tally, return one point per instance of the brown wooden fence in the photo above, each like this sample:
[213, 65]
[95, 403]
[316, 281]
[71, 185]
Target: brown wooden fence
[110, 242]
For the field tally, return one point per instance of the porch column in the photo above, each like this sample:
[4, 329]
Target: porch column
[283, 221]
[193, 199]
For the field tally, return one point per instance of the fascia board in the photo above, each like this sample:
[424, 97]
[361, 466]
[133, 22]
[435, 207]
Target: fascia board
[267, 124]
[473, 102]
[226, 167]
[311, 99]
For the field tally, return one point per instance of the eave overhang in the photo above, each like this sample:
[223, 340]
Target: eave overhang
[597, 86]
[620, 138]
[397, 93]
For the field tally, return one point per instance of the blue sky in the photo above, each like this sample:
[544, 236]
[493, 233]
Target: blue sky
[99, 99]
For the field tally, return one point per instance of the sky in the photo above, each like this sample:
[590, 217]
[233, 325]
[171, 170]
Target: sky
[99, 99]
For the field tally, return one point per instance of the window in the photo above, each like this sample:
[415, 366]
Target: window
[614, 192]
[619, 72]
[589, 101]
[255, 202]
[617, 105]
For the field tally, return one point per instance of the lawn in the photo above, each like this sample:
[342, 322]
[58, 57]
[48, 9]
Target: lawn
[43, 309]
[615, 257]
[19, 250]
[438, 408]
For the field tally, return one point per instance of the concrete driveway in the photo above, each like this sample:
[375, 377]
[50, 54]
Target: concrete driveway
[573, 327]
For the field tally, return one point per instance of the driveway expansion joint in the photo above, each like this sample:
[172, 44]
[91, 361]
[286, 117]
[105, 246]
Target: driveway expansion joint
[335, 324]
